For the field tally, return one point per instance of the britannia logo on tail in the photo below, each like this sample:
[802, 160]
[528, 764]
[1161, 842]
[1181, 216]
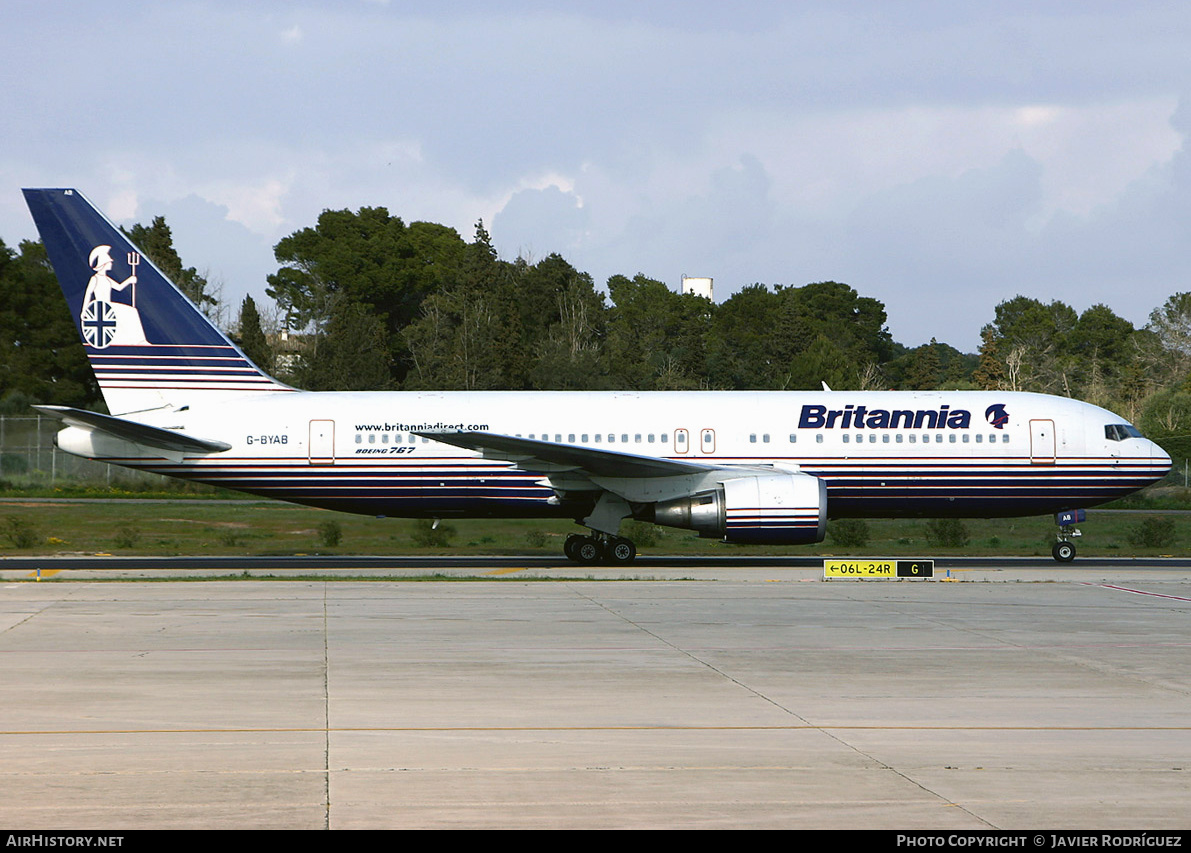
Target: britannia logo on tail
[105, 321]
[996, 415]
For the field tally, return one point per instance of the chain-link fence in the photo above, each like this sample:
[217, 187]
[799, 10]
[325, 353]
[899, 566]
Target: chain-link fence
[28, 457]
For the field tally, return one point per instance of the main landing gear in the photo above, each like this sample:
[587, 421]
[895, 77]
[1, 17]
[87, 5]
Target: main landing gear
[599, 548]
[1064, 549]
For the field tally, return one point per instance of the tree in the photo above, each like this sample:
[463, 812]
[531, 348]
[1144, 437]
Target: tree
[251, 338]
[470, 334]
[368, 258]
[564, 325]
[1166, 419]
[990, 371]
[1032, 338]
[656, 337]
[351, 354]
[742, 349]
[1170, 325]
[41, 358]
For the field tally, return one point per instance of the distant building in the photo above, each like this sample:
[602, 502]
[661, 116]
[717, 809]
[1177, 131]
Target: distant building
[697, 286]
[289, 349]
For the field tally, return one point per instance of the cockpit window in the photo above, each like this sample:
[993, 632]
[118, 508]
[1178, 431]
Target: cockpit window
[1120, 432]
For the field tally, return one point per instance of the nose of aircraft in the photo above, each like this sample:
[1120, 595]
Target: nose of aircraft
[1160, 459]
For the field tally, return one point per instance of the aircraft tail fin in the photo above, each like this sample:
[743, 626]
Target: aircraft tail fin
[149, 346]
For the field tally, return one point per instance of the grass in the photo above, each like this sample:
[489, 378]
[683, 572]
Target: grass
[249, 528]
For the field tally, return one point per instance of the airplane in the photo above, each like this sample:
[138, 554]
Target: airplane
[765, 467]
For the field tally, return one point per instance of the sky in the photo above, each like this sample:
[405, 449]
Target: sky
[941, 157]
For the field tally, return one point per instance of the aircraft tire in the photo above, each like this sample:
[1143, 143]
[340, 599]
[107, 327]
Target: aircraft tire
[571, 546]
[621, 551]
[1063, 552]
[588, 551]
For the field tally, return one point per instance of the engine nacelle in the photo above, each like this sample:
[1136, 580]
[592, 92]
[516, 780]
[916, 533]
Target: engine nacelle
[774, 509]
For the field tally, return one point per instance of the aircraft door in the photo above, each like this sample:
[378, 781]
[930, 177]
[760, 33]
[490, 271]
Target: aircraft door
[682, 441]
[707, 441]
[1042, 442]
[322, 442]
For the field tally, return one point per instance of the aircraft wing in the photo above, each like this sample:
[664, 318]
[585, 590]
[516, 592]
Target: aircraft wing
[548, 457]
[138, 433]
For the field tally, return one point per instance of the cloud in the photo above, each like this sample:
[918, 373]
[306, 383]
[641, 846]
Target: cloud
[916, 151]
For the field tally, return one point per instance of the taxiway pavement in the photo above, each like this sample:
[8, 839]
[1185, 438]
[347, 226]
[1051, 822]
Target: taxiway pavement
[760, 697]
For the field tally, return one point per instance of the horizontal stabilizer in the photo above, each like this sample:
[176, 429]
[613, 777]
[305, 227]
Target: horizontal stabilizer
[138, 433]
[533, 455]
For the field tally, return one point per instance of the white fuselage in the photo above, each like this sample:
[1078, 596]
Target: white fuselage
[963, 453]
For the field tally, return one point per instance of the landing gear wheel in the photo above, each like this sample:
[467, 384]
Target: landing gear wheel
[621, 551]
[571, 546]
[1064, 552]
[588, 551]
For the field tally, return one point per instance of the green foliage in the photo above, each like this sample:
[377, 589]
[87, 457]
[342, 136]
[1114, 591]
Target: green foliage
[352, 354]
[848, 532]
[429, 533]
[252, 337]
[1154, 531]
[643, 534]
[13, 463]
[946, 533]
[40, 355]
[1166, 418]
[796, 338]
[535, 538]
[127, 536]
[367, 259]
[230, 537]
[20, 531]
[330, 533]
[655, 335]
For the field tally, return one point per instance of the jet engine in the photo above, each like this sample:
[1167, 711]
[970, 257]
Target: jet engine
[775, 509]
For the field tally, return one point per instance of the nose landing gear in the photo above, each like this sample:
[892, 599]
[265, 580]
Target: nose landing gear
[1064, 549]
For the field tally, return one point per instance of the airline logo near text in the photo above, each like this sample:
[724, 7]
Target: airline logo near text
[861, 417]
